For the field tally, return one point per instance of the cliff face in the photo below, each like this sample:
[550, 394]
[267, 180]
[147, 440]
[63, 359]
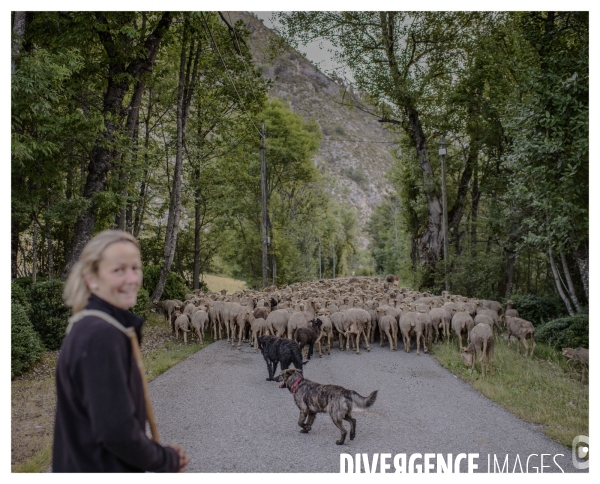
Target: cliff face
[355, 150]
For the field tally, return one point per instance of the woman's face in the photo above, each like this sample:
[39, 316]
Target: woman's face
[119, 275]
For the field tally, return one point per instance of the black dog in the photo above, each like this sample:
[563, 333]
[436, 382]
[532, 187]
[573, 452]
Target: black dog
[277, 350]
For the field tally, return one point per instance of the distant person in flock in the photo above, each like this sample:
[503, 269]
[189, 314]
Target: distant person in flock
[101, 407]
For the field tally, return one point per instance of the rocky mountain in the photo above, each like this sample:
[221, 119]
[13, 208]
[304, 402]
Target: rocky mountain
[355, 150]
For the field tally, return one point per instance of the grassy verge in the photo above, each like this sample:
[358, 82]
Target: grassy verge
[542, 390]
[217, 283]
[33, 396]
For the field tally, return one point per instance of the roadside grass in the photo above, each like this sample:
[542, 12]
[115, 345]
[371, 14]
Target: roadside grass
[217, 283]
[543, 390]
[33, 395]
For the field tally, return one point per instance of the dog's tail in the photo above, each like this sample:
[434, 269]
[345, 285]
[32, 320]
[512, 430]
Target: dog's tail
[363, 402]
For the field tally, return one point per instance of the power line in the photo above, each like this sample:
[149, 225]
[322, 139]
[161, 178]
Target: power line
[244, 61]
[227, 74]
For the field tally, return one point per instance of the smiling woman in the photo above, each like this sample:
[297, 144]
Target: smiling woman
[101, 395]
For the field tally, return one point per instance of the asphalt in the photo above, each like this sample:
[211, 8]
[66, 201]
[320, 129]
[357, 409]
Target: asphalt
[219, 407]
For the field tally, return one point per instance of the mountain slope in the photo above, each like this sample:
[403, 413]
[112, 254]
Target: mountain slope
[355, 150]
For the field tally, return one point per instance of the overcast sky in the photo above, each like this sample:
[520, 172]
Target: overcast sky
[318, 51]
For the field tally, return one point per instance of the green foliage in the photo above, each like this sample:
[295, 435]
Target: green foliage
[49, 314]
[18, 296]
[567, 332]
[538, 309]
[175, 287]
[26, 346]
[143, 304]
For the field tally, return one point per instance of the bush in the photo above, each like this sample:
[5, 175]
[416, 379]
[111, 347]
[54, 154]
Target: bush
[175, 287]
[25, 345]
[569, 332]
[49, 313]
[18, 295]
[142, 306]
[538, 309]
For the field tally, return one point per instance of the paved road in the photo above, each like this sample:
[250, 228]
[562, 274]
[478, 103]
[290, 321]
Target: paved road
[218, 405]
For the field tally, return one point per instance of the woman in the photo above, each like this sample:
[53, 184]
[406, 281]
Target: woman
[101, 414]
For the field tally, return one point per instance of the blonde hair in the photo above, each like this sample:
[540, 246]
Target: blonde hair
[76, 292]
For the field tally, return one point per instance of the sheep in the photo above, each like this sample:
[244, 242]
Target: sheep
[167, 307]
[424, 319]
[278, 320]
[485, 319]
[326, 331]
[492, 314]
[259, 327]
[199, 322]
[309, 335]
[337, 320]
[440, 320]
[389, 326]
[261, 312]
[297, 320]
[523, 330]
[240, 317]
[410, 325]
[362, 322]
[462, 322]
[481, 344]
[510, 312]
[578, 356]
[182, 323]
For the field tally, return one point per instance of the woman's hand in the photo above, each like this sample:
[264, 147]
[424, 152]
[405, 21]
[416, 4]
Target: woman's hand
[183, 457]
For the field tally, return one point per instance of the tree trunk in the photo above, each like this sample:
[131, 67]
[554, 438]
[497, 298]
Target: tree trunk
[583, 262]
[197, 229]
[34, 251]
[17, 39]
[430, 241]
[570, 285]
[119, 77]
[15, 228]
[50, 253]
[510, 273]
[558, 283]
[187, 80]
[475, 197]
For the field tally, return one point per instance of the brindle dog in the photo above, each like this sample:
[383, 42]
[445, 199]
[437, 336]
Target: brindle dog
[312, 398]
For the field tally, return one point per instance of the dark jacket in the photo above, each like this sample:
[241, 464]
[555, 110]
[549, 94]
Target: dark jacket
[100, 412]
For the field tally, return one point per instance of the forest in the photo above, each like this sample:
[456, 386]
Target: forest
[152, 122]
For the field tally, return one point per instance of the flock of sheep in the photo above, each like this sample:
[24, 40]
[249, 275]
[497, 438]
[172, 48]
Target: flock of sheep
[351, 311]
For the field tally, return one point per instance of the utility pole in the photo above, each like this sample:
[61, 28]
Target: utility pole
[333, 253]
[442, 153]
[263, 189]
[320, 276]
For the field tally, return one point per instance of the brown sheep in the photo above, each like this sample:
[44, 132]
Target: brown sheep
[261, 312]
[523, 330]
[309, 335]
[481, 345]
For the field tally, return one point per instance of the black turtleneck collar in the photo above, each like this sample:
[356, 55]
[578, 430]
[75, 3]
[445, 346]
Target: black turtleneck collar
[123, 316]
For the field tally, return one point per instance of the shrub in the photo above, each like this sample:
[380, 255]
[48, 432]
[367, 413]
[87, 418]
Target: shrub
[142, 306]
[568, 332]
[49, 313]
[175, 287]
[25, 345]
[538, 309]
[18, 295]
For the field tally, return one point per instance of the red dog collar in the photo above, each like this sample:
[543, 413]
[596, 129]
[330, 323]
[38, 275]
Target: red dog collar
[293, 389]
